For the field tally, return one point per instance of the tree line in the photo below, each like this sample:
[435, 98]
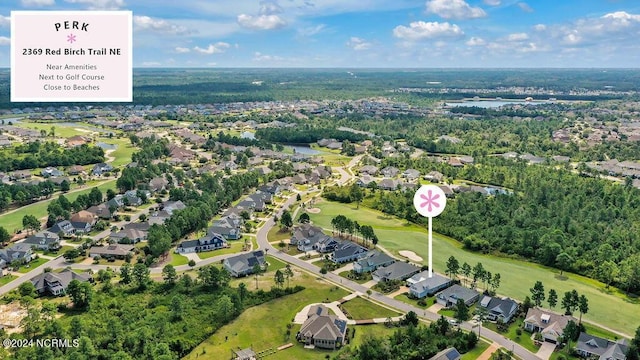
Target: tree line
[42, 154]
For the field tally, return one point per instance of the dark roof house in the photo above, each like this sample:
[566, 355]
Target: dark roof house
[242, 265]
[396, 271]
[449, 297]
[372, 260]
[503, 309]
[57, 283]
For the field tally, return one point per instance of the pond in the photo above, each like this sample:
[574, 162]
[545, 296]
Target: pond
[106, 146]
[298, 149]
[490, 104]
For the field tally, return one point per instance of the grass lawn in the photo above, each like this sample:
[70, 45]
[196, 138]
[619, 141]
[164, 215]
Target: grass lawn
[524, 340]
[32, 265]
[372, 330]
[364, 277]
[60, 130]
[7, 279]
[234, 247]
[608, 307]
[476, 352]
[275, 264]
[55, 253]
[13, 221]
[276, 235]
[361, 309]
[177, 259]
[122, 153]
[274, 317]
[404, 298]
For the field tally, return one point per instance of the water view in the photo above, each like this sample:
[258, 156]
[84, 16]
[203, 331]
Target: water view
[298, 149]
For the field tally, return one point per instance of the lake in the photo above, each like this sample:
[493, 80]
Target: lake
[490, 104]
[106, 146]
[298, 149]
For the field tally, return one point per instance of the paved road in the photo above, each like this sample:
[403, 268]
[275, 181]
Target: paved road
[263, 243]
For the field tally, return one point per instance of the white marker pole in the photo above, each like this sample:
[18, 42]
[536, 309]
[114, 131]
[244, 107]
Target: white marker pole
[430, 249]
[430, 201]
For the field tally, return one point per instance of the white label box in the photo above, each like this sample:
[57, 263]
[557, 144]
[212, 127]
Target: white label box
[71, 56]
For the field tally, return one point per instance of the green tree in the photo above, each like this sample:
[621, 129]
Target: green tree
[285, 220]
[466, 271]
[356, 194]
[192, 263]
[564, 262]
[552, 299]
[570, 301]
[159, 240]
[279, 278]
[537, 293]
[177, 307]
[65, 186]
[256, 272]
[242, 291]
[4, 236]
[478, 273]
[411, 318]
[288, 273]
[570, 333]
[461, 311]
[607, 272]
[27, 289]
[583, 306]
[453, 267]
[125, 273]
[169, 275]
[140, 275]
[30, 222]
[80, 293]
[304, 218]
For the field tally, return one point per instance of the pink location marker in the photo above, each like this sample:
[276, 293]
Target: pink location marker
[430, 201]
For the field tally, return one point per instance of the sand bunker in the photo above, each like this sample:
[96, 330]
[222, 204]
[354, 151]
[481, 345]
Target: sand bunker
[410, 255]
[313, 210]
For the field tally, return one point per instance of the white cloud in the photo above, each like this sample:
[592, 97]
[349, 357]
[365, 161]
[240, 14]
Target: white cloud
[525, 7]
[151, 63]
[540, 27]
[420, 30]
[216, 48]
[475, 41]
[261, 22]
[492, 2]
[270, 8]
[311, 30]
[99, 4]
[5, 21]
[158, 25]
[454, 9]
[37, 2]
[5, 41]
[212, 64]
[518, 37]
[182, 50]
[260, 57]
[358, 44]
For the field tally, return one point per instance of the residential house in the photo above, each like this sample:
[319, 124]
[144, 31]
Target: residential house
[68, 228]
[102, 211]
[101, 168]
[77, 140]
[209, 242]
[411, 174]
[158, 217]
[421, 285]
[229, 227]
[390, 171]
[389, 184]
[499, 309]
[171, 206]
[322, 330]
[593, 347]
[76, 170]
[365, 180]
[243, 264]
[434, 176]
[51, 172]
[447, 354]
[307, 237]
[396, 271]
[84, 216]
[371, 261]
[347, 251]
[369, 170]
[272, 188]
[449, 297]
[19, 252]
[549, 324]
[56, 283]
[158, 184]
[118, 251]
[336, 145]
[300, 179]
[129, 236]
[44, 240]
[252, 203]
[455, 162]
[21, 175]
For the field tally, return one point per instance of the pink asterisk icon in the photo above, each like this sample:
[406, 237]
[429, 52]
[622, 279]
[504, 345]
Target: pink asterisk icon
[71, 38]
[430, 200]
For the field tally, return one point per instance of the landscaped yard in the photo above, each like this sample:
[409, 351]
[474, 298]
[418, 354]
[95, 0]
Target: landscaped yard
[524, 339]
[7, 279]
[32, 265]
[608, 307]
[404, 298]
[177, 259]
[234, 247]
[476, 352]
[361, 309]
[363, 278]
[13, 221]
[275, 234]
[273, 317]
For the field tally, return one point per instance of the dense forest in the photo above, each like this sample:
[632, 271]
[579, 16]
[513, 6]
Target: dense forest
[137, 318]
[549, 217]
[38, 154]
[306, 134]
[412, 342]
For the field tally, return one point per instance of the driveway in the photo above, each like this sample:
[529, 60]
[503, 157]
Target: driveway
[546, 349]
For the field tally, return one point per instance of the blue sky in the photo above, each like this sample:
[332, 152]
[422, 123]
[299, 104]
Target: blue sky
[369, 33]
